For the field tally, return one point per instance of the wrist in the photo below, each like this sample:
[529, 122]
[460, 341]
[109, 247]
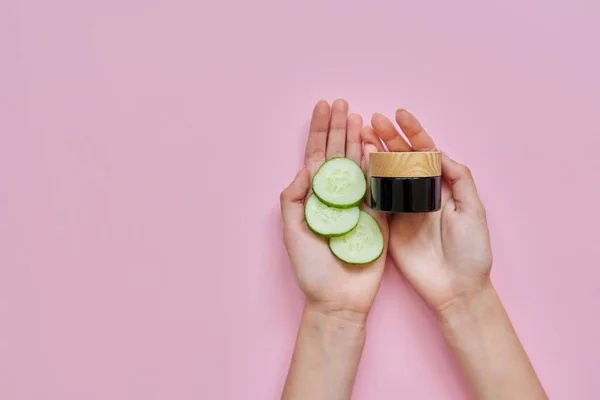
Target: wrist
[474, 305]
[480, 335]
[343, 325]
[335, 311]
[327, 353]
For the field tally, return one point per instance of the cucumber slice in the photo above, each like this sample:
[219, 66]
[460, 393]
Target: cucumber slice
[362, 245]
[340, 183]
[329, 221]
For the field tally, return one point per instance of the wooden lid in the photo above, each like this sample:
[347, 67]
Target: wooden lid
[412, 164]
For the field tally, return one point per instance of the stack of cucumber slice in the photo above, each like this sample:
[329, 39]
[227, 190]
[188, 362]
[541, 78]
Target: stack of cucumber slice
[332, 211]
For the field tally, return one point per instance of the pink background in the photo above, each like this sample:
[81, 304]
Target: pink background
[143, 146]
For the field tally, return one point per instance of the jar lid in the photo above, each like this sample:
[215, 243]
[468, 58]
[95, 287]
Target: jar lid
[412, 164]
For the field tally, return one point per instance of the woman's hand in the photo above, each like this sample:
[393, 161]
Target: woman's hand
[445, 255]
[338, 296]
[330, 285]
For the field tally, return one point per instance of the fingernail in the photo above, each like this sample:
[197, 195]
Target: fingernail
[340, 104]
[353, 115]
[322, 105]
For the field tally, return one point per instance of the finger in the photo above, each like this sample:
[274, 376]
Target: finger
[354, 143]
[364, 164]
[336, 140]
[414, 132]
[317, 137]
[368, 136]
[388, 133]
[369, 149]
[292, 198]
[460, 179]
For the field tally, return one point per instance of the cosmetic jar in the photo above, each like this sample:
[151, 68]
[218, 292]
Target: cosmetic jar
[405, 182]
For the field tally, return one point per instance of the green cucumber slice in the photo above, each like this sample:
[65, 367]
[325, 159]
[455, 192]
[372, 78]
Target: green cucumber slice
[329, 221]
[340, 183]
[362, 245]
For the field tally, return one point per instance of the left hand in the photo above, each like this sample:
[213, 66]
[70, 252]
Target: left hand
[445, 255]
[330, 285]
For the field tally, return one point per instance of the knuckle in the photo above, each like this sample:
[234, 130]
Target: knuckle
[315, 156]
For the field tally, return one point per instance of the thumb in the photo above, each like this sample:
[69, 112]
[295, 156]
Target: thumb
[368, 149]
[292, 198]
[461, 181]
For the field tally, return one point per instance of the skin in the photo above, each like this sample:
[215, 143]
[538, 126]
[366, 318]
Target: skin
[338, 296]
[446, 256]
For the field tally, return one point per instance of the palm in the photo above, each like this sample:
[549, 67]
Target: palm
[321, 275]
[417, 243]
[442, 254]
[326, 279]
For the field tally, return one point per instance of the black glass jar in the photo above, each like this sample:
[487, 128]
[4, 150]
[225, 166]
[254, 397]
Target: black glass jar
[405, 182]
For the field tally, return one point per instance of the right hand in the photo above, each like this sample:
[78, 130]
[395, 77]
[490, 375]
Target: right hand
[445, 255]
[330, 285]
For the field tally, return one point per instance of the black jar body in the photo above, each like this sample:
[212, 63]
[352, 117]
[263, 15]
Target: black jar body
[406, 195]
